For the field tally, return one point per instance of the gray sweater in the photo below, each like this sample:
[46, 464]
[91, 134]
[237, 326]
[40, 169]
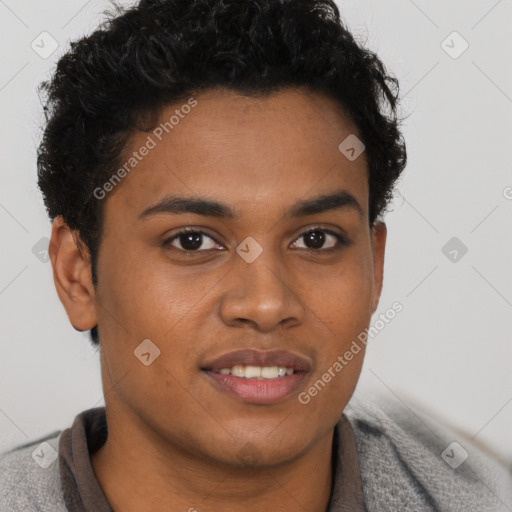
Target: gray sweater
[407, 462]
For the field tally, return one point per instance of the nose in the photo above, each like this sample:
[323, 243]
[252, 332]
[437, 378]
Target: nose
[261, 294]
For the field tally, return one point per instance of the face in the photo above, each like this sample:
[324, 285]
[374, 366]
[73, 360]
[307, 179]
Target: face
[268, 278]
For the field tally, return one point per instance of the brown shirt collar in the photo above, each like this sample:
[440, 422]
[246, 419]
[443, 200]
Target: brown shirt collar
[83, 493]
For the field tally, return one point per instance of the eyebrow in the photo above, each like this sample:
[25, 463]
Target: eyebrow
[173, 205]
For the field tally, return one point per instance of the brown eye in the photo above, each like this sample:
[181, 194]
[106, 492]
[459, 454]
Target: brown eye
[315, 239]
[191, 241]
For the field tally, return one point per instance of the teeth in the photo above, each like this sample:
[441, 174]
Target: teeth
[238, 371]
[270, 372]
[252, 372]
[257, 372]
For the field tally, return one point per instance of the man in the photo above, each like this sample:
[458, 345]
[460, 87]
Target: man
[216, 173]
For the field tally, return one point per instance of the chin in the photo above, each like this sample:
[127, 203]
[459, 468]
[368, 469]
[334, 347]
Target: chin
[257, 452]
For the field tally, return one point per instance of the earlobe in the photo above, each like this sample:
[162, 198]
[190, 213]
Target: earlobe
[379, 234]
[72, 276]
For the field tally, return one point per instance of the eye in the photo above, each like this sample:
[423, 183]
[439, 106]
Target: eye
[191, 241]
[315, 238]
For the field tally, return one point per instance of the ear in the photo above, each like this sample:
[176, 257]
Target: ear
[72, 275]
[379, 233]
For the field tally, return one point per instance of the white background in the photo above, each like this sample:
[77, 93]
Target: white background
[449, 350]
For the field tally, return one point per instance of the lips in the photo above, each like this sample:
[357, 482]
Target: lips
[250, 357]
[284, 373]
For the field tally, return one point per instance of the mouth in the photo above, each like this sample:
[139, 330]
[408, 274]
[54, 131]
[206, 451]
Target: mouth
[257, 372]
[257, 377]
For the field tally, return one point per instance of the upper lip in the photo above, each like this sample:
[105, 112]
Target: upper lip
[253, 357]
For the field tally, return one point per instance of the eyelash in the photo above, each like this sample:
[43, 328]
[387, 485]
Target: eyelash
[342, 240]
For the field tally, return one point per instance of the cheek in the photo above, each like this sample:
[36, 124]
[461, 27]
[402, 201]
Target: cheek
[143, 296]
[345, 315]
[140, 299]
[149, 299]
[340, 299]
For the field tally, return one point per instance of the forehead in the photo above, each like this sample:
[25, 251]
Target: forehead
[246, 151]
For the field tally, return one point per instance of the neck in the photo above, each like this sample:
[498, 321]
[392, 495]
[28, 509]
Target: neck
[138, 471]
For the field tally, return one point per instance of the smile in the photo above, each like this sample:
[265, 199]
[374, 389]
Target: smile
[257, 372]
[256, 376]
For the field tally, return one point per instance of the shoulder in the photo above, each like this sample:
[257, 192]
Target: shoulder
[413, 462]
[30, 477]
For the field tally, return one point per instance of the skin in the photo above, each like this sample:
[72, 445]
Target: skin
[175, 441]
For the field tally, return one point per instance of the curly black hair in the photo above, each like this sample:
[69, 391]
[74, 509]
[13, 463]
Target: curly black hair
[117, 79]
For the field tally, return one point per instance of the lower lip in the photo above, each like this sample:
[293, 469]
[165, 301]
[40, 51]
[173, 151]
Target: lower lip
[258, 391]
